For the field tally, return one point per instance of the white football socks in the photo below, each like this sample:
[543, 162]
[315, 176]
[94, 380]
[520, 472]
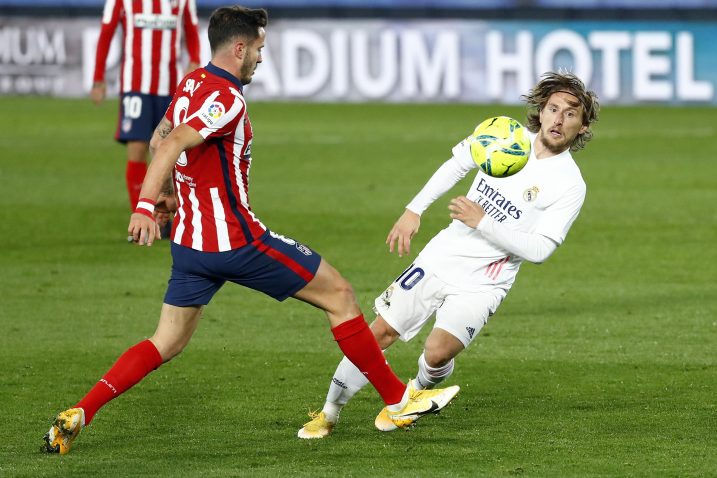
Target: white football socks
[429, 377]
[346, 382]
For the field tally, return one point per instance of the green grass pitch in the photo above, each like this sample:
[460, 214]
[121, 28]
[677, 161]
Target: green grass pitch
[601, 362]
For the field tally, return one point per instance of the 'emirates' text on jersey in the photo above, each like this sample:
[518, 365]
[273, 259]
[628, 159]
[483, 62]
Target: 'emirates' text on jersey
[150, 42]
[211, 180]
[545, 198]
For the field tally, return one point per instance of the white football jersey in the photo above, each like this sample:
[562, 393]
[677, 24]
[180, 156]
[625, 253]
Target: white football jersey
[544, 197]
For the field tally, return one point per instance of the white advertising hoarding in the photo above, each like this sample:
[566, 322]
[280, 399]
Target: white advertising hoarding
[405, 61]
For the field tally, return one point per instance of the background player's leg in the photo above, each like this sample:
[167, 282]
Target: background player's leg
[136, 169]
[332, 293]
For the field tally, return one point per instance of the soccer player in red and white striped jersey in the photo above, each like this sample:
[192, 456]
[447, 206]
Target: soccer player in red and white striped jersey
[149, 72]
[206, 148]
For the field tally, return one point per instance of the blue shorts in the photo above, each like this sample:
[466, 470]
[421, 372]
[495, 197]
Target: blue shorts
[139, 115]
[272, 264]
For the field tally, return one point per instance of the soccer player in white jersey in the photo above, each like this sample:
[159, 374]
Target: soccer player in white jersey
[204, 145]
[149, 73]
[466, 270]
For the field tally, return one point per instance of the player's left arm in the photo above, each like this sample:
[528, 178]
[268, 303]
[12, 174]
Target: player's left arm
[142, 226]
[535, 246]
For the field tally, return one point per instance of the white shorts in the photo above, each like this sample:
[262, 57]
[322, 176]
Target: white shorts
[408, 303]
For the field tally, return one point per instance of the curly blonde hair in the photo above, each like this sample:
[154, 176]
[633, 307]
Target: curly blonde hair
[554, 82]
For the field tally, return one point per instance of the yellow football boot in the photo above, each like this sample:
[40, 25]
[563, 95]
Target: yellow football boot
[420, 403]
[318, 427]
[383, 422]
[64, 430]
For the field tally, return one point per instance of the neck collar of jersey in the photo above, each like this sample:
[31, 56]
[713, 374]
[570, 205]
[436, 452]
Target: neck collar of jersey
[215, 70]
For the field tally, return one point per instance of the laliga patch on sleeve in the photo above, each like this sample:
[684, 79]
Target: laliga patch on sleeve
[211, 114]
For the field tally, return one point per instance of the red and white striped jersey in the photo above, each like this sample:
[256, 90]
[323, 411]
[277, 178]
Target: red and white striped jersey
[211, 180]
[150, 43]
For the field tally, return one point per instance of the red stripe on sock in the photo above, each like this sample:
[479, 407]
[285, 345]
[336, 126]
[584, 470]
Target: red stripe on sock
[359, 345]
[130, 369]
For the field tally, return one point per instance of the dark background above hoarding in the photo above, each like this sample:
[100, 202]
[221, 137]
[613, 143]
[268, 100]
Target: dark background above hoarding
[465, 9]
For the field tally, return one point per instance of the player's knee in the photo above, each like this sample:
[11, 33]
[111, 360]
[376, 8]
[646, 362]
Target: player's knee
[384, 333]
[437, 356]
[168, 349]
[342, 293]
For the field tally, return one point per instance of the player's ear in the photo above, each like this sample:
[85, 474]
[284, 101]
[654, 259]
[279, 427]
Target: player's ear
[583, 129]
[239, 49]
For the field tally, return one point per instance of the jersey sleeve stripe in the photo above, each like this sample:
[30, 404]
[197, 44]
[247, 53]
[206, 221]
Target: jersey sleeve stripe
[236, 109]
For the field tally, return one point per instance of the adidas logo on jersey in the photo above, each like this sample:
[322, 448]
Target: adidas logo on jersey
[470, 331]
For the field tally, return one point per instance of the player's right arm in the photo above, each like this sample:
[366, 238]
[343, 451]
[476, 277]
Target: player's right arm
[440, 182]
[110, 20]
[402, 232]
[142, 226]
[166, 203]
[160, 132]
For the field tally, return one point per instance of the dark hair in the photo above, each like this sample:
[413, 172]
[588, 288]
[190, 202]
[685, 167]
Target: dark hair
[554, 82]
[227, 23]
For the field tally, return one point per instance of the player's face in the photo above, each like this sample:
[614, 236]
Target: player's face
[252, 57]
[561, 120]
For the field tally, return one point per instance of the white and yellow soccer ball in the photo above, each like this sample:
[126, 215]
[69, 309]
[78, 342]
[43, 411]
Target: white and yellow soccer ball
[500, 146]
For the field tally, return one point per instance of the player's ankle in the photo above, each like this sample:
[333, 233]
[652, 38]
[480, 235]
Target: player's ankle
[331, 411]
[395, 407]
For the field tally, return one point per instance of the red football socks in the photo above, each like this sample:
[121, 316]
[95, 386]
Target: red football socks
[134, 175]
[130, 368]
[359, 345]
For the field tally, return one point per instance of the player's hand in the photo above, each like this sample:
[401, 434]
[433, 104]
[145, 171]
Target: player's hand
[164, 209]
[403, 231]
[98, 92]
[143, 230]
[466, 211]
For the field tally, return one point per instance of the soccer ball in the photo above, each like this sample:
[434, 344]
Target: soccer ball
[500, 146]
